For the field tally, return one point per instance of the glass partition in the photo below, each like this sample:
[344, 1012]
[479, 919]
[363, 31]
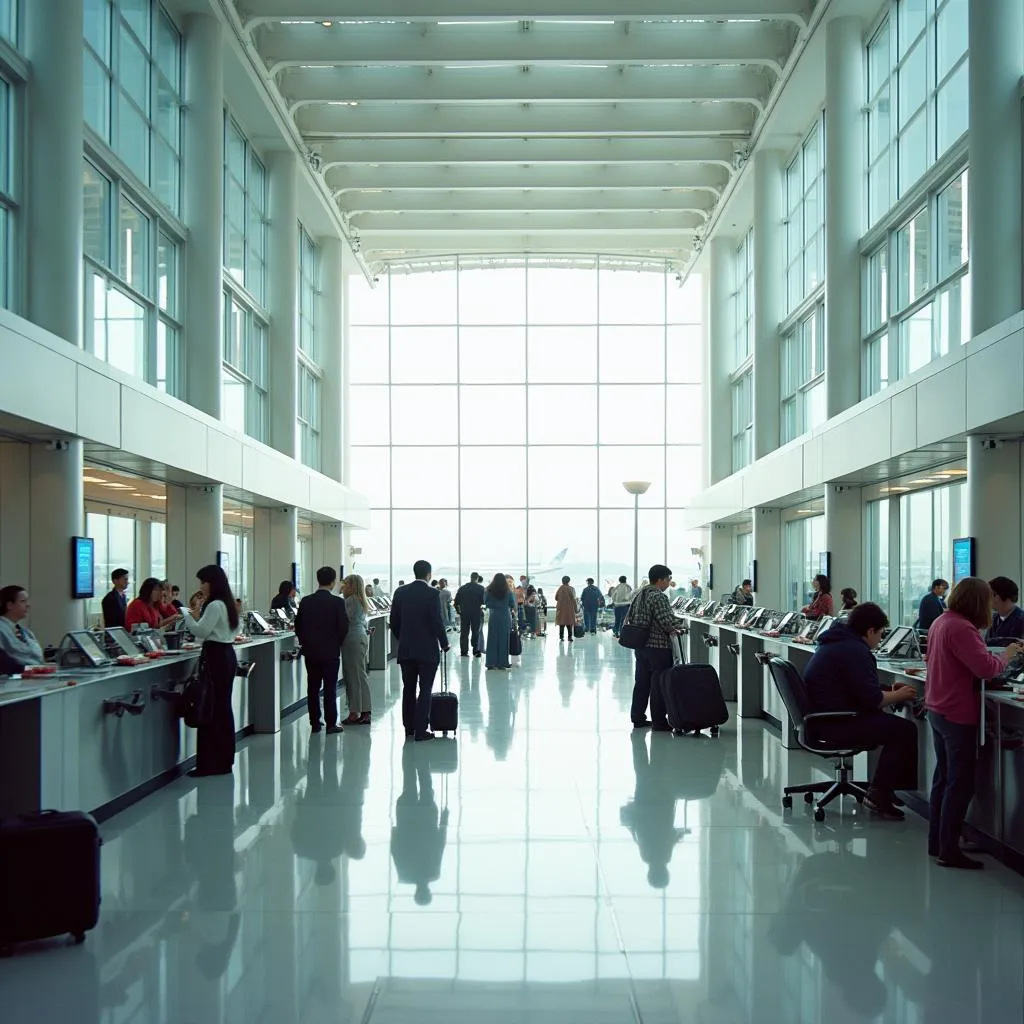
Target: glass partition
[804, 540]
[929, 520]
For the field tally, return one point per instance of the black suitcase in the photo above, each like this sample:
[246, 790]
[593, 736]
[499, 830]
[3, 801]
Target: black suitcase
[693, 698]
[49, 876]
[444, 706]
[578, 631]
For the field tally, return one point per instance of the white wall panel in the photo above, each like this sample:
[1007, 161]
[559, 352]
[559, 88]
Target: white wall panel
[942, 404]
[904, 420]
[224, 457]
[782, 469]
[44, 389]
[162, 434]
[860, 440]
[812, 449]
[99, 407]
[995, 381]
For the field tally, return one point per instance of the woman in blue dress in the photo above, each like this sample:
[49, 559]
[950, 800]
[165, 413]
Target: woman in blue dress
[501, 611]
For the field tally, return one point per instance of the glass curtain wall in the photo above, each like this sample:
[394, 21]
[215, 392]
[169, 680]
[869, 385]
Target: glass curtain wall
[496, 409]
[929, 520]
[805, 539]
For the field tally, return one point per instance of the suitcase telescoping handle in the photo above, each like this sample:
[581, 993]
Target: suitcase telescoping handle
[444, 671]
[678, 654]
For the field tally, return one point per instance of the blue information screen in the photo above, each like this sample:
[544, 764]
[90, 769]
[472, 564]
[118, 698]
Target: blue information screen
[963, 558]
[82, 561]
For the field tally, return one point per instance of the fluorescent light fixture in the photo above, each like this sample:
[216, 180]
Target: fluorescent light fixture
[93, 480]
[894, 490]
[925, 480]
[955, 472]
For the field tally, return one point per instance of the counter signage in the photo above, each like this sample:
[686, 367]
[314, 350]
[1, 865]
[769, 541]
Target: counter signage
[82, 563]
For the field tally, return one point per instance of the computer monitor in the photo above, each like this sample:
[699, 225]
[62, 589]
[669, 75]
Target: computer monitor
[825, 623]
[149, 641]
[84, 644]
[899, 643]
[722, 615]
[122, 640]
[754, 618]
[810, 629]
[785, 622]
[282, 616]
[261, 623]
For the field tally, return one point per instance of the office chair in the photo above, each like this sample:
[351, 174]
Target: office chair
[794, 696]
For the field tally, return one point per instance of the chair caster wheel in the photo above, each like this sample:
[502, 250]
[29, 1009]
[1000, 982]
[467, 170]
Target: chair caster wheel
[808, 798]
[787, 801]
[819, 815]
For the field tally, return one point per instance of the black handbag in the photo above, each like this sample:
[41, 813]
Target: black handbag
[632, 635]
[197, 698]
[515, 644]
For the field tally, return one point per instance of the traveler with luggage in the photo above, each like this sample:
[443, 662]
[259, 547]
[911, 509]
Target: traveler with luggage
[542, 614]
[651, 610]
[565, 610]
[621, 598]
[321, 627]
[216, 626]
[592, 599]
[469, 603]
[501, 620]
[416, 623]
[354, 650]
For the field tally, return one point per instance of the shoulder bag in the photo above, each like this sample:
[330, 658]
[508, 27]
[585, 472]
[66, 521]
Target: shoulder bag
[632, 635]
[197, 697]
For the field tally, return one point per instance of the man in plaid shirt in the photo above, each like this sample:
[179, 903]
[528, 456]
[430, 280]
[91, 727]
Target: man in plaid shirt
[651, 607]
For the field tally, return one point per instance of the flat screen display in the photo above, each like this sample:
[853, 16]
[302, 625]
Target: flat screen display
[826, 623]
[123, 639]
[784, 622]
[86, 643]
[260, 621]
[83, 554]
[896, 642]
[963, 558]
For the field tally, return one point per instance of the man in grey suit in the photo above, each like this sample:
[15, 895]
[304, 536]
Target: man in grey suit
[416, 622]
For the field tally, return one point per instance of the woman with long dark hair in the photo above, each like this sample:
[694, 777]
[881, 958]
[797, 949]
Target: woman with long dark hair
[216, 626]
[284, 599]
[822, 604]
[500, 602]
[147, 608]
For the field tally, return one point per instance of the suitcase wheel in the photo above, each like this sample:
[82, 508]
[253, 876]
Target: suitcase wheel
[677, 732]
[79, 937]
[714, 730]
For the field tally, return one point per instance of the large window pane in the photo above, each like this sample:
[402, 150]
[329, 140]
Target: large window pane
[492, 355]
[631, 462]
[562, 477]
[423, 355]
[368, 358]
[96, 197]
[631, 297]
[495, 296]
[632, 414]
[369, 415]
[632, 354]
[433, 535]
[617, 541]
[424, 415]
[370, 474]
[562, 414]
[553, 531]
[423, 299]
[492, 477]
[683, 477]
[493, 541]
[490, 414]
[952, 109]
[684, 414]
[375, 559]
[562, 296]
[424, 477]
[134, 246]
[368, 304]
[559, 355]
[685, 347]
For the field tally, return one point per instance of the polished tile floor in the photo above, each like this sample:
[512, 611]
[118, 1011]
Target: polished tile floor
[549, 865]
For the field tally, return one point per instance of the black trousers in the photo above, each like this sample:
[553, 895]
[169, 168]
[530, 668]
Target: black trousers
[322, 672]
[953, 784]
[896, 735]
[649, 662]
[472, 622]
[215, 742]
[416, 708]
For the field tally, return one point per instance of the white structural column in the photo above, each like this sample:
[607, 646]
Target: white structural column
[994, 507]
[195, 518]
[204, 211]
[721, 561]
[284, 300]
[719, 360]
[844, 534]
[997, 59]
[844, 186]
[332, 334]
[768, 555]
[275, 539]
[53, 229]
[769, 297]
[327, 548]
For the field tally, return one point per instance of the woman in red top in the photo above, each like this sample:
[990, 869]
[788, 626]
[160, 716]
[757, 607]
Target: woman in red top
[956, 658]
[146, 608]
[822, 604]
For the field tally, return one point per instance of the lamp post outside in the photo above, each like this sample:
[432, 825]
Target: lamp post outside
[636, 488]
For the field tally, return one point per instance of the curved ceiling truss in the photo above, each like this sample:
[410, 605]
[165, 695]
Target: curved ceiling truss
[554, 126]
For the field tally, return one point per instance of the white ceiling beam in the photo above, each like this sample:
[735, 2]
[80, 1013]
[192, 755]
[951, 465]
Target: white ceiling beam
[703, 177]
[526, 151]
[513, 85]
[668, 119]
[623, 43]
[485, 201]
[258, 11]
[374, 226]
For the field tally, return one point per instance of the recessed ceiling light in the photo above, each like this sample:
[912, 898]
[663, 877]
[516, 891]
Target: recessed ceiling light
[926, 480]
[955, 472]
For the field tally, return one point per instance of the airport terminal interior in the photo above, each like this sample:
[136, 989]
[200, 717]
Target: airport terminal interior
[562, 289]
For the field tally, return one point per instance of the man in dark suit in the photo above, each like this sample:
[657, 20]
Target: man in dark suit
[114, 603]
[416, 622]
[932, 605]
[321, 626]
[469, 603]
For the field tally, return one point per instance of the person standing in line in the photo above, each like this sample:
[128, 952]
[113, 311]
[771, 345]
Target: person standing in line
[354, 649]
[651, 608]
[501, 620]
[592, 599]
[377, 588]
[932, 605]
[524, 583]
[321, 626]
[447, 612]
[565, 609]
[469, 603]
[417, 624]
[114, 603]
[695, 589]
[822, 603]
[216, 625]
[622, 597]
[956, 658]
[532, 607]
[542, 613]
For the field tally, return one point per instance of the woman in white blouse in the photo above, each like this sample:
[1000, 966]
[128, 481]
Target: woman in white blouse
[216, 624]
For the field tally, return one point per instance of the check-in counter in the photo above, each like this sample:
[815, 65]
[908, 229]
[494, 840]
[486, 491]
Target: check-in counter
[695, 649]
[64, 745]
[723, 644]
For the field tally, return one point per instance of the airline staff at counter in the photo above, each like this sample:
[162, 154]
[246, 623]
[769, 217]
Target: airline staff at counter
[1007, 616]
[18, 645]
[822, 604]
[114, 603]
[744, 594]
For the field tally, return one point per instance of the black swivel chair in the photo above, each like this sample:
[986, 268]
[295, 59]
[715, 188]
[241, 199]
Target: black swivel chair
[794, 696]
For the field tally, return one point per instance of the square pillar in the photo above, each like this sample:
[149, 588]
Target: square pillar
[844, 538]
[195, 527]
[768, 553]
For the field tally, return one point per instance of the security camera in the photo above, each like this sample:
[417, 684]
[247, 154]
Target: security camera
[989, 444]
[58, 446]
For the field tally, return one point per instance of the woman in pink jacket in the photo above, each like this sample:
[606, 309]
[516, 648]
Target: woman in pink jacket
[957, 658]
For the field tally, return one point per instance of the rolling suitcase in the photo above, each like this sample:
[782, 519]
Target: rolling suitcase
[693, 696]
[49, 876]
[444, 706]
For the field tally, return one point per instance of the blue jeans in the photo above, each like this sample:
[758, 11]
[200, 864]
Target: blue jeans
[590, 619]
[416, 709]
[621, 611]
[956, 761]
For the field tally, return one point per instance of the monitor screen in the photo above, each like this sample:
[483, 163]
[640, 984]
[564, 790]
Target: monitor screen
[123, 639]
[282, 615]
[825, 623]
[83, 551]
[785, 621]
[260, 621]
[963, 558]
[87, 644]
[897, 642]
